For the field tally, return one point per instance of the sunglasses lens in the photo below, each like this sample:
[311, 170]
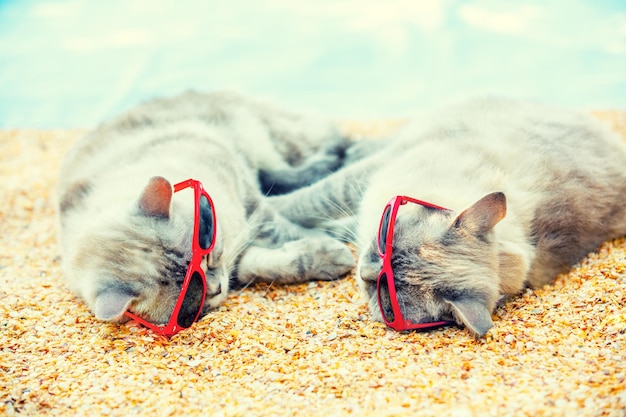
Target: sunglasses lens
[192, 303]
[384, 227]
[384, 299]
[206, 233]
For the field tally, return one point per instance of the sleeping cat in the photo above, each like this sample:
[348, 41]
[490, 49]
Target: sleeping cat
[126, 240]
[530, 191]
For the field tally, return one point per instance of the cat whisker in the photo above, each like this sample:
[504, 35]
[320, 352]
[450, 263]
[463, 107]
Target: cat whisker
[342, 229]
[268, 288]
[238, 245]
[268, 193]
[297, 156]
[245, 287]
[241, 240]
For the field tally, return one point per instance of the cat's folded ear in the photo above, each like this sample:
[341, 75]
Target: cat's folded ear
[112, 303]
[156, 198]
[483, 215]
[473, 314]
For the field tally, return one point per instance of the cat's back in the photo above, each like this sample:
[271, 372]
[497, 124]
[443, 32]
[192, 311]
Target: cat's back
[235, 126]
[149, 122]
[177, 129]
[520, 139]
[541, 146]
[162, 137]
[546, 160]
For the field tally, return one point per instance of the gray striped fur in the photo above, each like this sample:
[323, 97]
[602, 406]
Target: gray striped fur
[559, 178]
[124, 247]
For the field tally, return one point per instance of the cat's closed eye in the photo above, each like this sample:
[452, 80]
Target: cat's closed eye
[133, 209]
[212, 261]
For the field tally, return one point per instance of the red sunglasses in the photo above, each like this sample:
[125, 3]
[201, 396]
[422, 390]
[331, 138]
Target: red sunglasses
[189, 304]
[385, 286]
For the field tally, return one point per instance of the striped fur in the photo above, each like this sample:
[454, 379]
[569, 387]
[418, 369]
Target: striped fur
[125, 247]
[562, 177]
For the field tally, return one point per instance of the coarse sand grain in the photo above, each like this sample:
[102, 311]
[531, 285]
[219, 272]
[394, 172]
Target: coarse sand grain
[305, 350]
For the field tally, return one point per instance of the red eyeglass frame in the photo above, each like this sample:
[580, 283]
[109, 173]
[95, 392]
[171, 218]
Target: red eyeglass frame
[399, 323]
[197, 254]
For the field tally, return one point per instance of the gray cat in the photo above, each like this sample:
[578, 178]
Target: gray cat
[126, 238]
[529, 190]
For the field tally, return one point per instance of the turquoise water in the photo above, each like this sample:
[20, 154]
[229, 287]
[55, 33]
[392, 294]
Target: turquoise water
[70, 63]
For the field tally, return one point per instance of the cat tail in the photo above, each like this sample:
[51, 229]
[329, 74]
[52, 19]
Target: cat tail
[332, 198]
[275, 182]
[340, 152]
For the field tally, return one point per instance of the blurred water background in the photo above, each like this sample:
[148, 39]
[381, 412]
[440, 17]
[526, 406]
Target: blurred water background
[72, 63]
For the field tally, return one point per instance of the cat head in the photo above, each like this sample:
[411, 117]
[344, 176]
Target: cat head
[138, 262]
[445, 265]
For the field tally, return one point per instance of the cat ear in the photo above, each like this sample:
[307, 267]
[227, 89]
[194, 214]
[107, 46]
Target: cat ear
[156, 198]
[483, 215]
[111, 304]
[473, 314]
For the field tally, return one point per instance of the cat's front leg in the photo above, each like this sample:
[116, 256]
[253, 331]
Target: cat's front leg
[282, 181]
[334, 197]
[284, 252]
[309, 258]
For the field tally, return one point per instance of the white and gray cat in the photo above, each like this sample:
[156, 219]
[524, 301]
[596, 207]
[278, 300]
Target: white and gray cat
[119, 254]
[533, 189]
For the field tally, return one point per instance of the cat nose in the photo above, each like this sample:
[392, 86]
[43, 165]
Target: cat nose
[215, 293]
[369, 272]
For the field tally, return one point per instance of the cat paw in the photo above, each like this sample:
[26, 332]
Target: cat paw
[306, 259]
[330, 258]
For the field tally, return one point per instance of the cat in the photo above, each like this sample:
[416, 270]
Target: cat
[126, 241]
[530, 190]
